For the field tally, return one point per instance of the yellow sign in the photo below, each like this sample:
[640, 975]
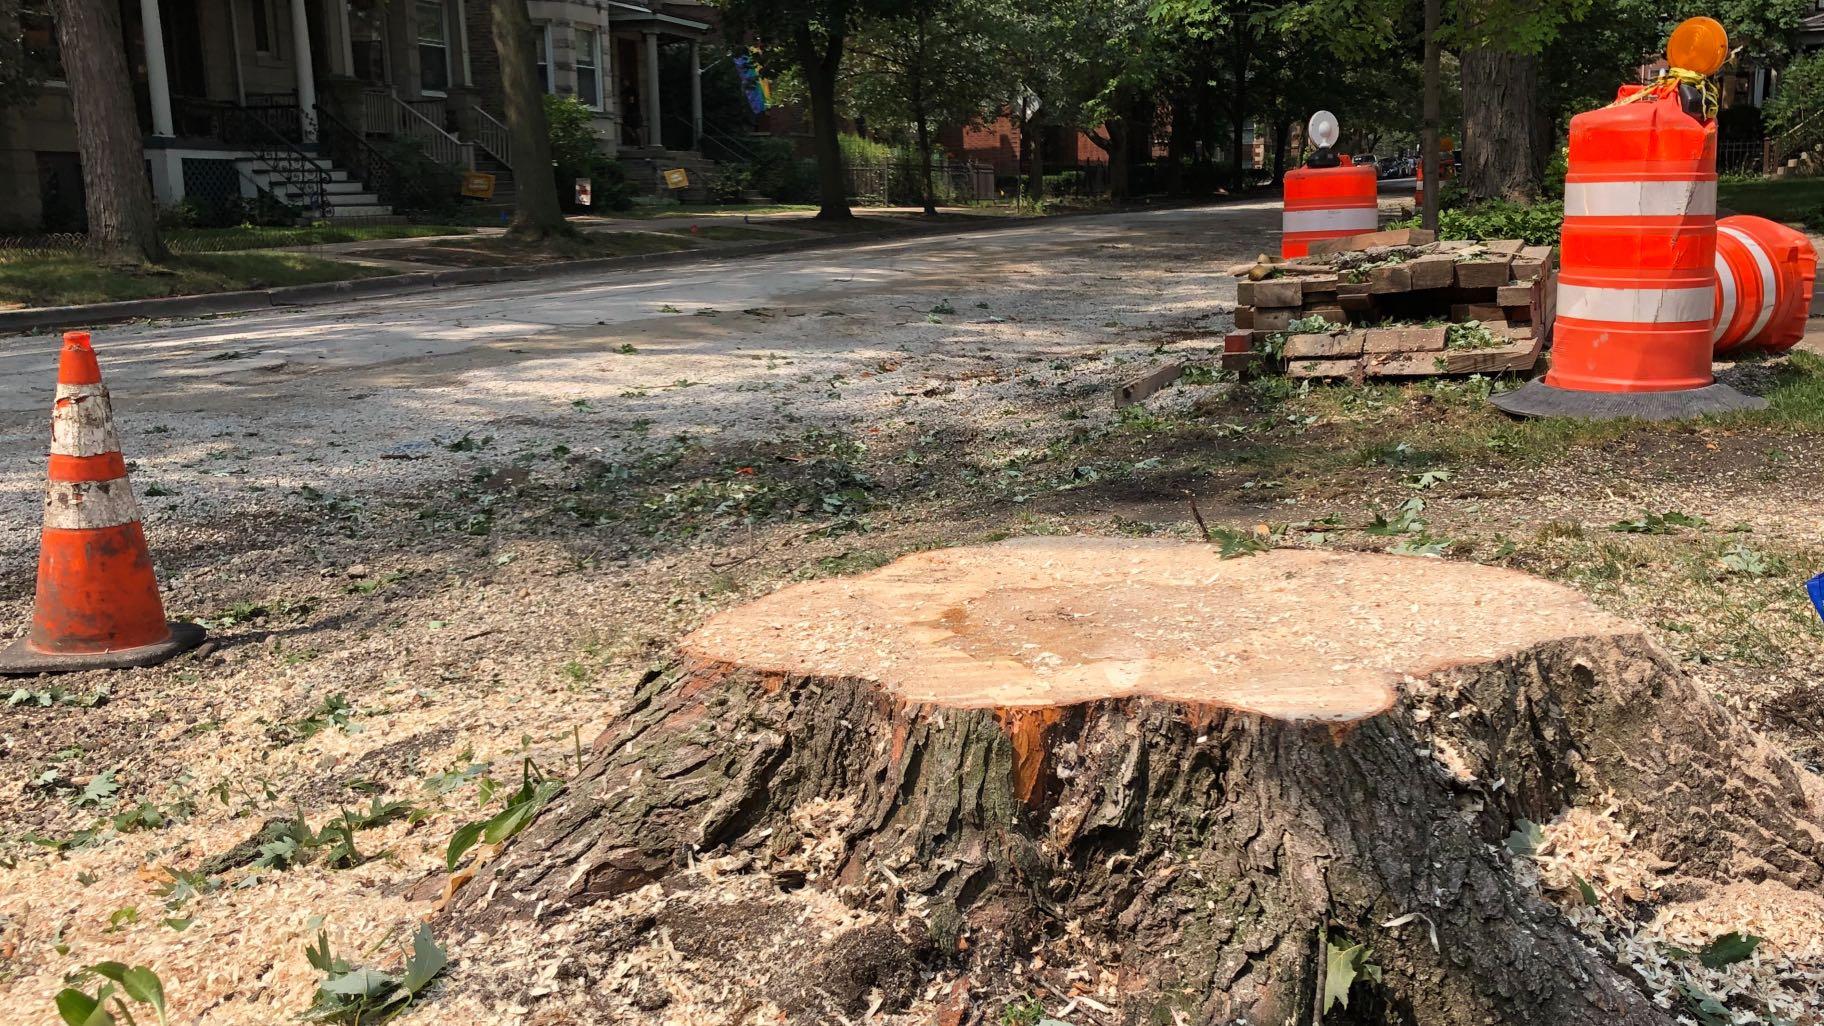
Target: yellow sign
[677, 178]
[478, 185]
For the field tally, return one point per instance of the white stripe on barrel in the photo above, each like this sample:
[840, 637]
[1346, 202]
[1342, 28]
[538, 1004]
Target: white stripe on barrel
[89, 505]
[1687, 198]
[82, 422]
[1636, 306]
[1770, 285]
[1364, 219]
[1726, 298]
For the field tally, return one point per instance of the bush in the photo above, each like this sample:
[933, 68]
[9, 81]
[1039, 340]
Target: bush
[1539, 223]
[576, 153]
[1066, 183]
[729, 183]
[1800, 95]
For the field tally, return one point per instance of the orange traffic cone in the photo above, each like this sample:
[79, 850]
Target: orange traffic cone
[97, 605]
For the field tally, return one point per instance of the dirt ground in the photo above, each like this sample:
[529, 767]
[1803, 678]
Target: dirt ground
[424, 580]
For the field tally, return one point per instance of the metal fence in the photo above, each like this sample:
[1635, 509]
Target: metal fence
[901, 184]
[1743, 156]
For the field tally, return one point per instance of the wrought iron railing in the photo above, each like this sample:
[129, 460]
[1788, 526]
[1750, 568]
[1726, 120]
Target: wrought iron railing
[399, 189]
[274, 133]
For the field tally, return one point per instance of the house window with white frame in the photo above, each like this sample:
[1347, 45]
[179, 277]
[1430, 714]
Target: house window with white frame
[541, 55]
[433, 47]
[589, 67]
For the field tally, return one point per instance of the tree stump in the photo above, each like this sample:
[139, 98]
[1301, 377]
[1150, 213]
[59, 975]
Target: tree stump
[1218, 766]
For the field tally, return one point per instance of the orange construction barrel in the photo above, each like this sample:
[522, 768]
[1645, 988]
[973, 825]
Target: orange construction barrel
[1764, 277]
[1328, 203]
[1636, 280]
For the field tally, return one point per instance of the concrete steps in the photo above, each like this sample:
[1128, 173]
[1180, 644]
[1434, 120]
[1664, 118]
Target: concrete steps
[291, 181]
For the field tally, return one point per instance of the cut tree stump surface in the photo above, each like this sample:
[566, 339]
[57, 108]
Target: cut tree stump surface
[1295, 635]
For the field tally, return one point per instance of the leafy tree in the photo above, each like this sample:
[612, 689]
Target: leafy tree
[809, 38]
[123, 223]
[1795, 107]
[536, 215]
[927, 63]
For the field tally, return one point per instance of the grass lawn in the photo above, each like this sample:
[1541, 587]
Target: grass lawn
[1782, 199]
[731, 233]
[500, 251]
[219, 240]
[66, 279]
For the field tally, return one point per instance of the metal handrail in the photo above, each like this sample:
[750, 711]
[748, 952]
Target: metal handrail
[441, 145]
[492, 136]
[365, 161]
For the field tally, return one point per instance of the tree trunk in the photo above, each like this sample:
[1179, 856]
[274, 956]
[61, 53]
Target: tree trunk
[1282, 146]
[1178, 150]
[924, 156]
[820, 70]
[1209, 850]
[536, 214]
[1502, 158]
[123, 222]
[1433, 103]
[1035, 186]
[1120, 160]
[1238, 95]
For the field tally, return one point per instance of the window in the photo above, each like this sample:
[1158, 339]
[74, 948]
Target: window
[541, 45]
[367, 41]
[262, 27]
[433, 47]
[39, 36]
[589, 67]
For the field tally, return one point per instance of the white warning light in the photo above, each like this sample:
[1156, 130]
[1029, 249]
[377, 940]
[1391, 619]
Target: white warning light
[1323, 129]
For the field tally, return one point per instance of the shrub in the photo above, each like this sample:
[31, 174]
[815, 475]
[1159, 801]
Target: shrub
[1799, 97]
[1538, 223]
[1066, 183]
[729, 183]
[576, 153]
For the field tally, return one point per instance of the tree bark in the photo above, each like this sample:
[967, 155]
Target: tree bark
[820, 70]
[1214, 850]
[1502, 156]
[1120, 160]
[1238, 93]
[1035, 186]
[536, 213]
[1282, 145]
[1433, 103]
[123, 222]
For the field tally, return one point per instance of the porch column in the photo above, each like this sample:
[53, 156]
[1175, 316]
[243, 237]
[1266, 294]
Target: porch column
[462, 37]
[345, 37]
[307, 79]
[157, 84]
[696, 94]
[655, 135]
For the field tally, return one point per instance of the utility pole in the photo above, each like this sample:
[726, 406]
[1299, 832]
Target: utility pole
[1428, 160]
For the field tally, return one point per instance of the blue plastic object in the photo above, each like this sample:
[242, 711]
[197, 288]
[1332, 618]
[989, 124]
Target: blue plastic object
[1816, 587]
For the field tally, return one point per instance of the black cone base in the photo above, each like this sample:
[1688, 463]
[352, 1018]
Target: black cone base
[20, 659]
[1538, 399]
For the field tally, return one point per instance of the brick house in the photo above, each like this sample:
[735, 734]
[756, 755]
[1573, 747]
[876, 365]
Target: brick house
[302, 101]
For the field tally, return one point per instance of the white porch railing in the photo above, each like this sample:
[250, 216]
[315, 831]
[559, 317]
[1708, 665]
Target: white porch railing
[382, 113]
[493, 136]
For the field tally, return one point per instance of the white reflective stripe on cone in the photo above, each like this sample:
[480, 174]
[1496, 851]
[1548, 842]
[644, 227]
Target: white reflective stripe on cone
[1345, 219]
[1637, 306]
[88, 505]
[1639, 199]
[1769, 280]
[1725, 290]
[82, 423]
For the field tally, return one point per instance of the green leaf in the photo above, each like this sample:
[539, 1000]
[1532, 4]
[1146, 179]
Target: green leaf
[79, 1009]
[116, 971]
[426, 961]
[1584, 888]
[1728, 949]
[1526, 838]
[461, 841]
[360, 983]
[102, 788]
[1339, 974]
[142, 984]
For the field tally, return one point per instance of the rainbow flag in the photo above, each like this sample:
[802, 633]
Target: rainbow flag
[759, 91]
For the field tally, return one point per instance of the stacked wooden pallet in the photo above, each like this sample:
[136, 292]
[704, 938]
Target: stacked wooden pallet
[1398, 304]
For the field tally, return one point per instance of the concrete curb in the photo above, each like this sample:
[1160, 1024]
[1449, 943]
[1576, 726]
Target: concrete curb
[55, 317]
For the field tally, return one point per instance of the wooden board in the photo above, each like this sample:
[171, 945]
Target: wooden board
[1369, 240]
[1146, 384]
[1433, 271]
[1305, 347]
[1518, 355]
[1484, 274]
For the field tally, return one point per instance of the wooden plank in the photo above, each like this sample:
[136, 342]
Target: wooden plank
[1514, 295]
[1393, 278]
[1356, 304]
[1382, 340]
[1520, 354]
[1421, 340]
[1369, 240]
[1275, 319]
[1484, 274]
[1331, 312]
[1306, 347]
[1461, 312]
[1277, 292]
[1238, 341]
[1508, 247]
[1300, 369]
[1433, 271]
[1146, 384]
[1244, 316]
